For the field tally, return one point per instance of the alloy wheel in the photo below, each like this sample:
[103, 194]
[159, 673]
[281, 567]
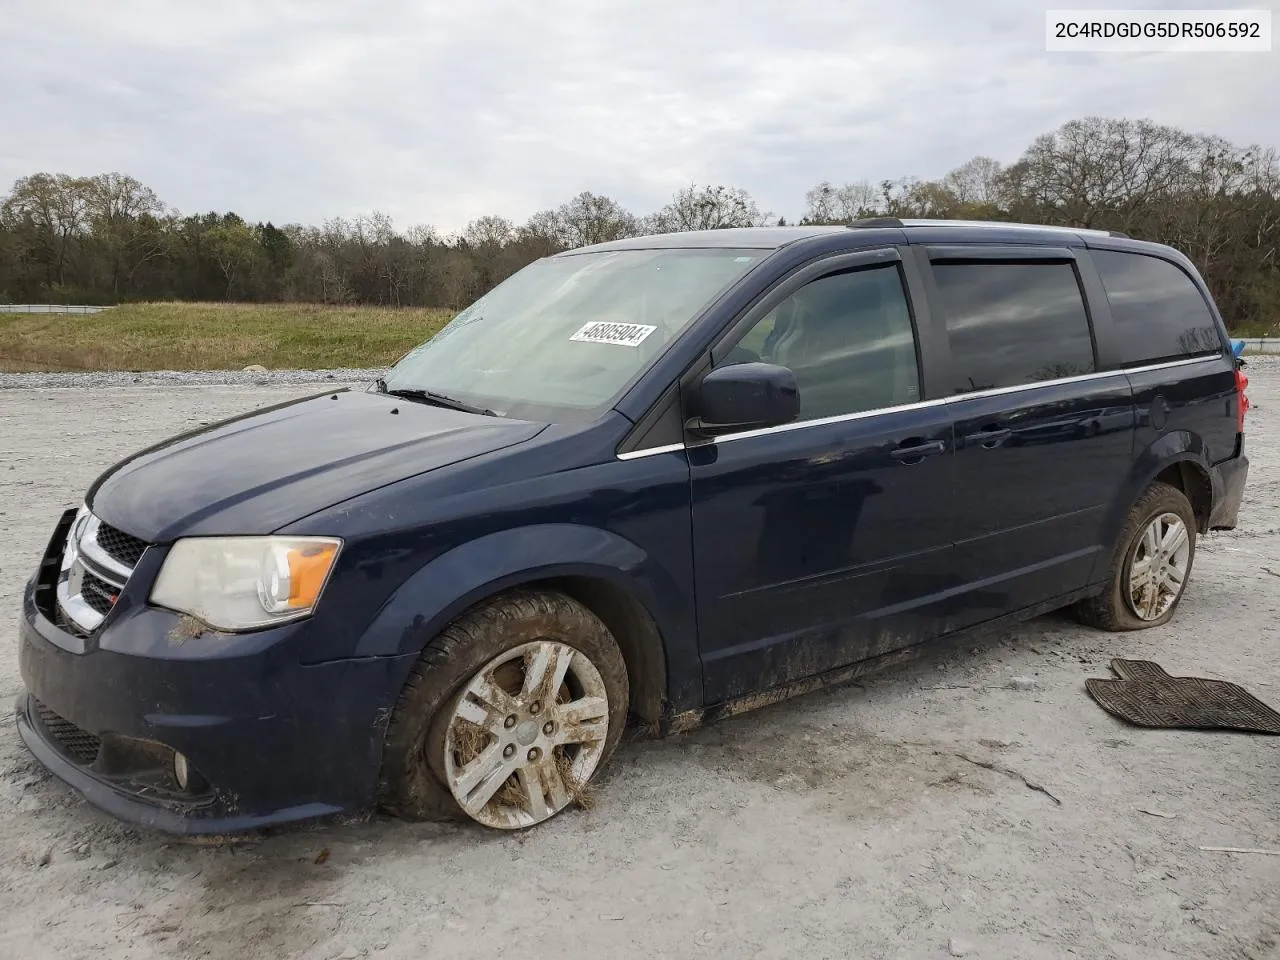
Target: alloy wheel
[526, 734]
[1158, 570]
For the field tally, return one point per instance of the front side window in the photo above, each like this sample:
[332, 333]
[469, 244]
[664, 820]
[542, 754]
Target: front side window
[562, 339]
[1159, 313]
[1013, 323]
[848, 339]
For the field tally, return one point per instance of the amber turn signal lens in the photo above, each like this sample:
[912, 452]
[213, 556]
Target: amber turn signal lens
[308, 568]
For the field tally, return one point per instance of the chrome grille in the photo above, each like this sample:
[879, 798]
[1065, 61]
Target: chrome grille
[98, 593]
[119, 546]
[97, 561]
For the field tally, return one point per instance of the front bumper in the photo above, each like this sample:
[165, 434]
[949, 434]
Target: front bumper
[273, 740]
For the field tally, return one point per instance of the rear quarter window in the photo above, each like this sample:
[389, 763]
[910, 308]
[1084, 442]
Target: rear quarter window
[1013, 323]
[1158, 312]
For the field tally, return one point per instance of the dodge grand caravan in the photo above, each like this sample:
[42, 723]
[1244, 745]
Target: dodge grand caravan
[659, 480]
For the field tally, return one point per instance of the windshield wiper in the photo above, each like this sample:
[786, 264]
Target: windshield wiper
[434, 399]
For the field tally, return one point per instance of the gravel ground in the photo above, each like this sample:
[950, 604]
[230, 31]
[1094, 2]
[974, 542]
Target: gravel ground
[886, 820]
[186, 378]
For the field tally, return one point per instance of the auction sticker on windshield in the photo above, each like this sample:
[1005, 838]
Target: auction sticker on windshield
[626, 334]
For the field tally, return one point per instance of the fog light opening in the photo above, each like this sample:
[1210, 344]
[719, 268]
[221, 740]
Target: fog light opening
[187, 777]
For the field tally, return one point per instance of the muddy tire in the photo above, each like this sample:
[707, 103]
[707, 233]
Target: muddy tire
[1150, 566]
[507, 715]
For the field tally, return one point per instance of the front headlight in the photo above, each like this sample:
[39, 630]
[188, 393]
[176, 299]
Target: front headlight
[243, 583]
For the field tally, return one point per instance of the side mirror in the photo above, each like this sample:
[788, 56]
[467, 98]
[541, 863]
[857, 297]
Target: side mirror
[745, 396]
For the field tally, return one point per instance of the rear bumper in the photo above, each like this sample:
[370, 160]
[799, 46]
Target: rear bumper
[1229, 478]
[272, 740]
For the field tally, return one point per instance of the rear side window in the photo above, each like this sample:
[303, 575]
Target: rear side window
[1158, 311]
[1013, 323]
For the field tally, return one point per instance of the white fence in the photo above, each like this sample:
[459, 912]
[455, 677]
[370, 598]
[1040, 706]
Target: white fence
[48, 308]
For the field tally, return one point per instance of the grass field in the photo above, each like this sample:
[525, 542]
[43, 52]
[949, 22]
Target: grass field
[226, 336]
[213, 336]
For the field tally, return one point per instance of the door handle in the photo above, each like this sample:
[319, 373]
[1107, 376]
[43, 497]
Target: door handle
[988, 438]
[913, 451]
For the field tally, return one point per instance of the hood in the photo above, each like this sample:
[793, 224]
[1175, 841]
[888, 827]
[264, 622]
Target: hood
[259, 472]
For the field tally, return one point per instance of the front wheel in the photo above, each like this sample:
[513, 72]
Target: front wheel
[508, 715]
[1151, 564]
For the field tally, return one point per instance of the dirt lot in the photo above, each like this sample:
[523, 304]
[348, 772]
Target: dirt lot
[861, 823]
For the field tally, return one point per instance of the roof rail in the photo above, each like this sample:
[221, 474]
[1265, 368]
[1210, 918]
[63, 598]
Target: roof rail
[872, 222]
[1010, 226]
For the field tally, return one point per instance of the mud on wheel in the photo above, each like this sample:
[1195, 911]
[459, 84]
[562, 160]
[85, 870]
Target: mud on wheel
[508, 714]
[1150, 566]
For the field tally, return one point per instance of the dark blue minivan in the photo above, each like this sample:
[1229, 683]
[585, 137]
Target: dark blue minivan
[655, 481]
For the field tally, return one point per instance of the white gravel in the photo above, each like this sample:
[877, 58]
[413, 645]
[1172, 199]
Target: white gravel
[862, 823]
[189, 378]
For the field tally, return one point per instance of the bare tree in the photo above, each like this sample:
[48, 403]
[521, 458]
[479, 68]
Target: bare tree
[586, 219]
[820, 203]
[843, 204]
[975, 181]
[51, 208]
[1095, 171]
[914, 198]
[707, 208]
[489, 232]
[120, 210]
[380, 269]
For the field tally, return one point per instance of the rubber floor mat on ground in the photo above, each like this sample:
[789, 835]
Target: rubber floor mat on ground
[1147, 696]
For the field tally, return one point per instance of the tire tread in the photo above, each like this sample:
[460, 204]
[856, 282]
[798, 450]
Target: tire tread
[407, 787]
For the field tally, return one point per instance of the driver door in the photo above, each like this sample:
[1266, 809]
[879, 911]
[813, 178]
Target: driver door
[824, 541]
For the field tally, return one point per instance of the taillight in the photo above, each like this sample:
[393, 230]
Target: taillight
[1242, 401]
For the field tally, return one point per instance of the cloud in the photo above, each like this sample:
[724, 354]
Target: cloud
[436, 112]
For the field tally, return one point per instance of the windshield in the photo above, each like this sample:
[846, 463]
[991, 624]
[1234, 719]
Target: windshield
[561, 339]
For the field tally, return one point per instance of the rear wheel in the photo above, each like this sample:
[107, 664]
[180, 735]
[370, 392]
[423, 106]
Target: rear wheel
[508, 715]
[1151, 564]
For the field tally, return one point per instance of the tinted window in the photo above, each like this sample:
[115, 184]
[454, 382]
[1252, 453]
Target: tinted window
[848, 339]
[1013, 323]
[1159, 313]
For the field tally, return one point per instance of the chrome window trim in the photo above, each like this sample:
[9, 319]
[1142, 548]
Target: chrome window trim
[824, 421]
[924, 404]
[651, 451]
[1169, 364]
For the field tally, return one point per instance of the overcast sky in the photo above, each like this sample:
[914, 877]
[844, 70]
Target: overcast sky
[438, 111]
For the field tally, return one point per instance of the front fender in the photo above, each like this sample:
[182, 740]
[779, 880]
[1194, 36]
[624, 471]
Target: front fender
[458, 579]
[1178, 446]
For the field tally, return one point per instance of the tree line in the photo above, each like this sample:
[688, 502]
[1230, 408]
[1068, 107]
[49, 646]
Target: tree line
[109, 238]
